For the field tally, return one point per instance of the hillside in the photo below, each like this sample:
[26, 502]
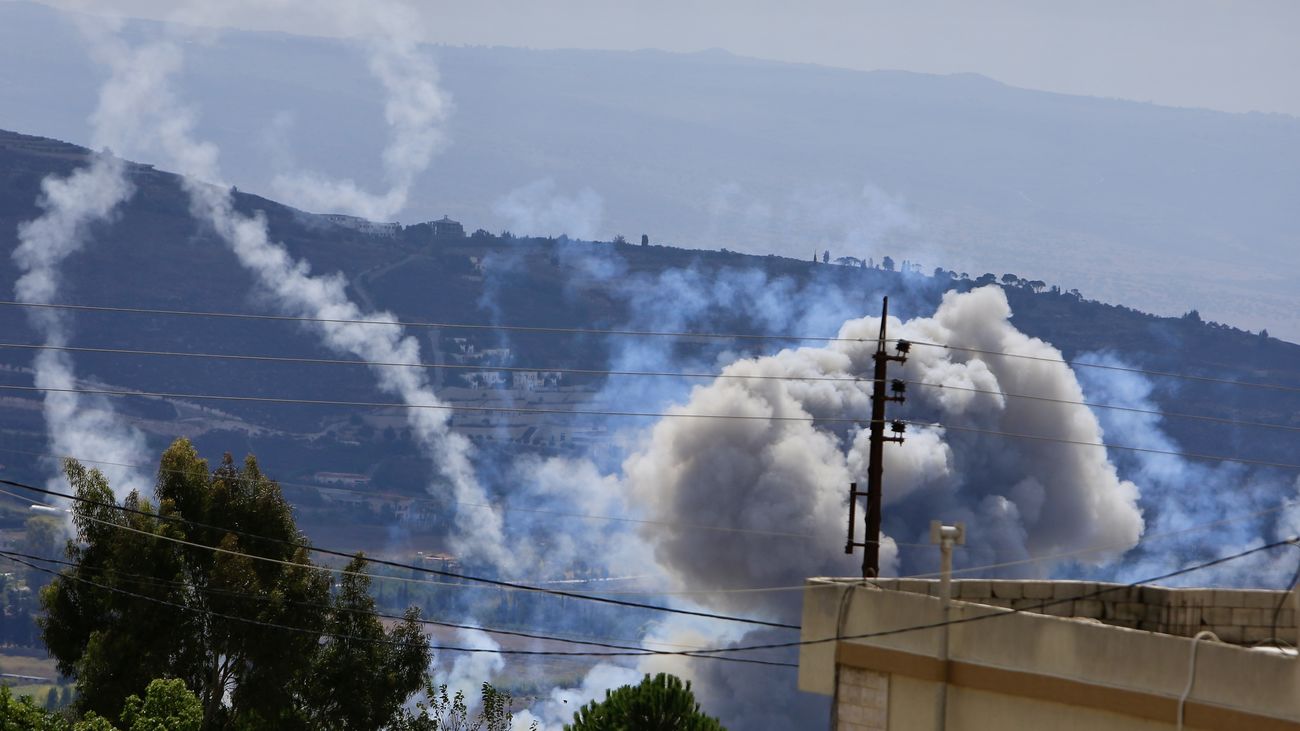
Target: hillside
[357, 479]
[155, 256]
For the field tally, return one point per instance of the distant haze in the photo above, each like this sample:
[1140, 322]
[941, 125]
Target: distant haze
[1215, 54]
[1158, 208]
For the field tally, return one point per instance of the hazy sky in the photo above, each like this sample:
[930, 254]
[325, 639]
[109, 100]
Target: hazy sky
[1234, 56]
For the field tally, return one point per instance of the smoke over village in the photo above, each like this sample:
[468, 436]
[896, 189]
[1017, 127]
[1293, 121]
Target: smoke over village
[343, 389]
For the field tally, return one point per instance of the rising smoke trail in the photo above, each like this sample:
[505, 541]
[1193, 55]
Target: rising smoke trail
[80, 425]
[76, 424]
[160, 120]
[414, 108]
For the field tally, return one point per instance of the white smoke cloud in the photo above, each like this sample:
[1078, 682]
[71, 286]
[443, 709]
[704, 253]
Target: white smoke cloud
[159, 119]
[297, 292]
[1020, 497]
[469, 670]
[414, 109]
[1179, 501]
[78, 425]
[537, 209]
[846, 222]
[556, 710]
[558, 488]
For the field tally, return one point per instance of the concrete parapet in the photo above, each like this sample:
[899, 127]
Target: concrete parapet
[1239, 616]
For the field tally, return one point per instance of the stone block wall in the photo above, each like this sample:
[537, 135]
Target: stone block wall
[863, 700]
[1237, 616]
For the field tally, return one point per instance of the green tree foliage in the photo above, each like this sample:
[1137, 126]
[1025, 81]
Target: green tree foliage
[440, 711]
[136, 607]
[42, 536]
[361, 675]
[661, 703]
[167, 706]
[21, 714]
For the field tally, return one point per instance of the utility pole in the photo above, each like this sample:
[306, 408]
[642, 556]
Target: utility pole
[876, 439]
[945, 536]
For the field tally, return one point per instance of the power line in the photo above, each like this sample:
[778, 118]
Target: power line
[1104, 366]
[633, 373]
[399, 565]
[1146, 539]
[430, 366]
[155, 581]
[1006, 612]
[443, 325]
[800, 587]
[999, 612]
[373, 640]
[439, 407]
[1114, 407]
[502, 506]
[1106, 445]
[633, 333]
[645, 414]
[776, 645]
[253, 556]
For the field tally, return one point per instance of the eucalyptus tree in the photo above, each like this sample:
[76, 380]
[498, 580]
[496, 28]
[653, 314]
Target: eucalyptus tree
[211, 583]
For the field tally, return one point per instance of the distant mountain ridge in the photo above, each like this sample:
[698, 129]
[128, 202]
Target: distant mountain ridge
[1166, 209]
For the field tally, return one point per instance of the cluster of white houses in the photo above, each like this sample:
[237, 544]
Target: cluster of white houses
[441, 229]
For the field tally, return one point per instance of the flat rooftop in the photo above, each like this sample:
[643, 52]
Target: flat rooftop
[1237, 616]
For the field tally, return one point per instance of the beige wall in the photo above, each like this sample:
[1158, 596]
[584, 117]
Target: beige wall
[1239, 616]
[1036, 671]
[862, 700]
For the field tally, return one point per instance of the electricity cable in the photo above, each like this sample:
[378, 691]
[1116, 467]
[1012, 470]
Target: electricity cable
[143, 579]
[1118, 546]
[1006, 612]
[999, 612]
[1277, 611]
[1109, 367]
[627, 373]
[502, 506]
[443, 325]
[373, 640]
[438, 406]
[637, 333]
[409, 567]
[1105, 445]
[1098, 592]
[644, 414]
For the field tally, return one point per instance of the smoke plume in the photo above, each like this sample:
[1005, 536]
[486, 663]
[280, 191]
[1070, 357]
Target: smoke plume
[1019, 497]
[414, 109]
[537, 209]
[1190, 522]
[78, 425]
[161, 120]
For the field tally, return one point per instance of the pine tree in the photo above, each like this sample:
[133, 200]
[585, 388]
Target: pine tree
[661, 703]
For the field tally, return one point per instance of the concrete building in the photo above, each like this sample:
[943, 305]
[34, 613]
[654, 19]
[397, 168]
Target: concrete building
[370, 228]
[442, 230]
[445, 228]
[342, 479]
[534, 380]
[1078, 655]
